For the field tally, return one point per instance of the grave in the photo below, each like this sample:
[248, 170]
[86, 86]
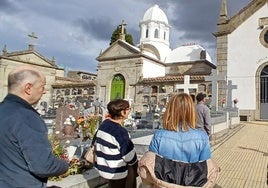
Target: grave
[229, 88]
[186, 86]
[214, 78]
[62, 113]
[96, 108]
[141, 140]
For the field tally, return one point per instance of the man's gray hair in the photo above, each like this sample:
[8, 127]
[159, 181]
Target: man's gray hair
[17, 79]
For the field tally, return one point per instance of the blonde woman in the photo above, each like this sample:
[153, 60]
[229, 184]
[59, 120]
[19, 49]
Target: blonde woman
[179, 154]
[179, 139]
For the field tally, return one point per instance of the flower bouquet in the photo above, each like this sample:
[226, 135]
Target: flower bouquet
[89, 126]
[76, 166]
[235, 101]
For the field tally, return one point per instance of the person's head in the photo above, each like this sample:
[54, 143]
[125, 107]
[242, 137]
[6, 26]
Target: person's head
[27, 83]
[180, 113]
[201, 97]
[118, 109]
[193, 97]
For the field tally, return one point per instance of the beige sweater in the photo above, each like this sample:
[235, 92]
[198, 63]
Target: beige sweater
[146, 172]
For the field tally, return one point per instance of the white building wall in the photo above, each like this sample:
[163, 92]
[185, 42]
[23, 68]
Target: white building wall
[151, 69]
[245, 55]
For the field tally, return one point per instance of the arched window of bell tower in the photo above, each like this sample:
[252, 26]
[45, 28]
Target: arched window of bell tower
[156, 35]
[147, 33]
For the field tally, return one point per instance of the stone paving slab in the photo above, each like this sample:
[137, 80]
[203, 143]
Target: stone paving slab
[243, 158]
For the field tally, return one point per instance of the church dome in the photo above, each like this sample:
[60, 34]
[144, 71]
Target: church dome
[156, 14]
[185, 53]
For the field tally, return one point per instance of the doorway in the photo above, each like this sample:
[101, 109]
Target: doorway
[264, 93]
[118, 87]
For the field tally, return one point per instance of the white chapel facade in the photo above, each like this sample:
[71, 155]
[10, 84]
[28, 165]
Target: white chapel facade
[149, 73]
[242, 56]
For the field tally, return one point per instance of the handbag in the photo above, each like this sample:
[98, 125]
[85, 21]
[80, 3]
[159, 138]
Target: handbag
[91, 152]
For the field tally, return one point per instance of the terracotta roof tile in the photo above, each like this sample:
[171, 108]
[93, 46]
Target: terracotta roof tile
[65, 82]
[172, 78]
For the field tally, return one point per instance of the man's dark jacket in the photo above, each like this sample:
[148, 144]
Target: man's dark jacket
[26, 158]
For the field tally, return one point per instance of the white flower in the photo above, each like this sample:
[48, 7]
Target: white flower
[67, 122]
[70, 120]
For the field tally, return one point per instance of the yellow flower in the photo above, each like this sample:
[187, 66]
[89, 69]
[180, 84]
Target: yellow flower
[80, 121]
[90, 126]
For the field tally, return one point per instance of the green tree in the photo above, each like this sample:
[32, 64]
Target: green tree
[116, 36]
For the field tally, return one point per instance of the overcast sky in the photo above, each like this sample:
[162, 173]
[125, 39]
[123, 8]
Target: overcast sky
[75, 31]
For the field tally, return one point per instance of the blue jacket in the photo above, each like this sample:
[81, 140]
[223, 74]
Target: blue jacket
[26, 158]
[188, 146]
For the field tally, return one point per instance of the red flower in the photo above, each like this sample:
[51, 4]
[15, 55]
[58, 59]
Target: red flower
[235, 100]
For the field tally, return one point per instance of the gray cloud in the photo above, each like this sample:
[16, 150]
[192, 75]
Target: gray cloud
[4, 4]
[100, 29]
[7, 6]
[74, 31]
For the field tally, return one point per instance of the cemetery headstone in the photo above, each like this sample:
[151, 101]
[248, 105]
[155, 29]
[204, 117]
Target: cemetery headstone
[229, 88]
[95, 110]
[43, 107]
[86, 103]
[214, 78]
[186, 86]
[62, 113]
[89, 111]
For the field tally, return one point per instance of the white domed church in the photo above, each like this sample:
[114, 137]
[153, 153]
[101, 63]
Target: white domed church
[149, 73]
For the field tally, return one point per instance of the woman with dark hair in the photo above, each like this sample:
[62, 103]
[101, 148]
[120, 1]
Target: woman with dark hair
[179, 152]
[116, 158]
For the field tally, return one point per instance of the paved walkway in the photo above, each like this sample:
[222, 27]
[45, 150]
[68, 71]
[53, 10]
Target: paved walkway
[243, 158]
